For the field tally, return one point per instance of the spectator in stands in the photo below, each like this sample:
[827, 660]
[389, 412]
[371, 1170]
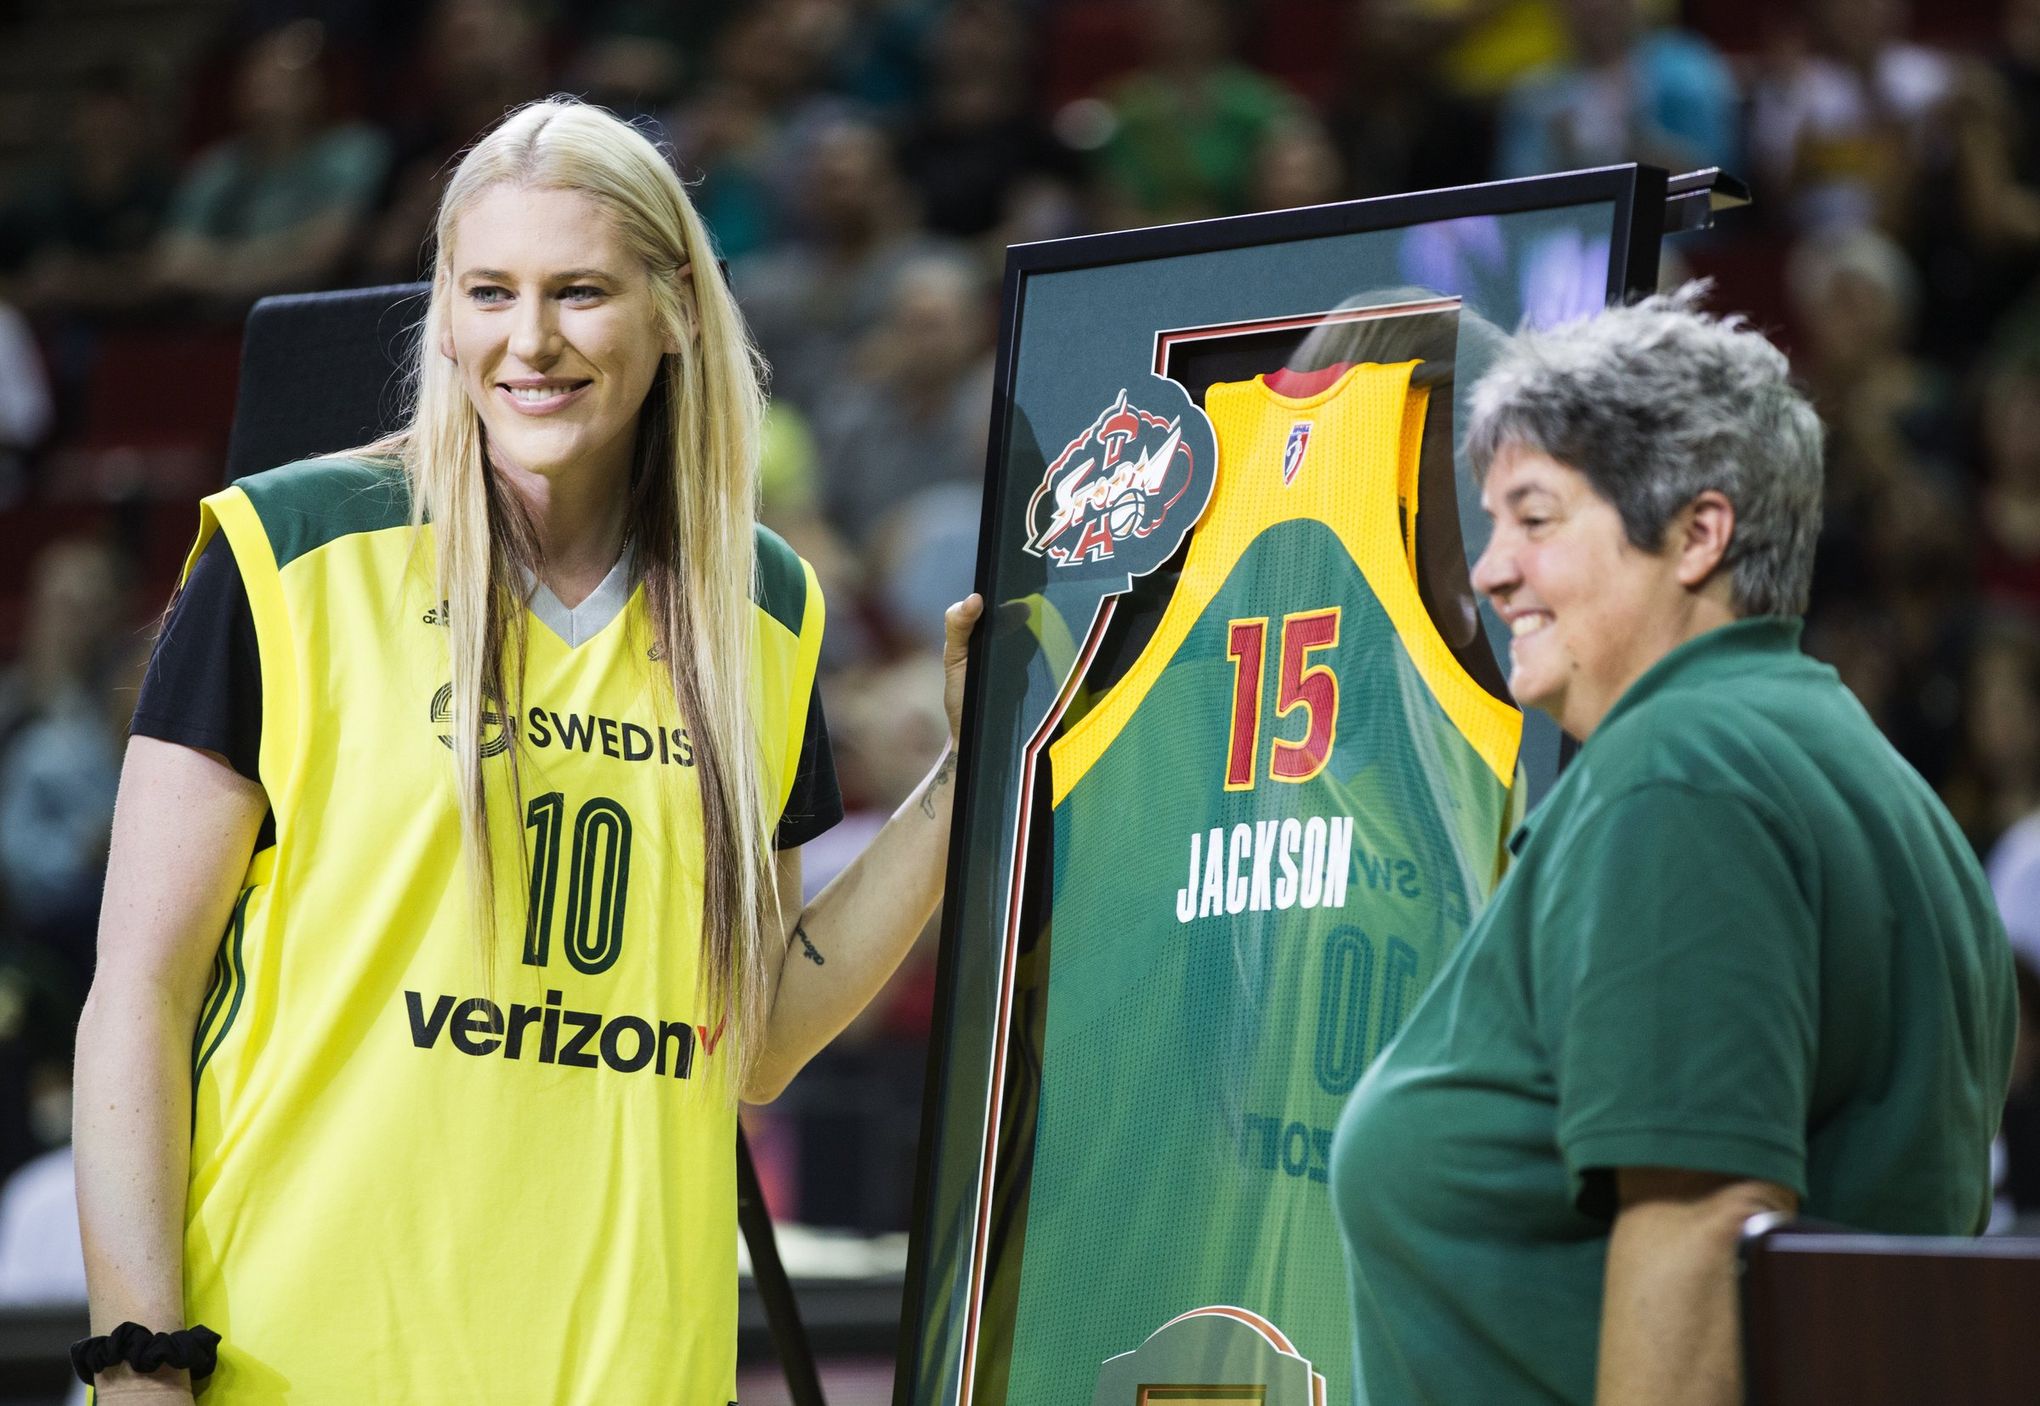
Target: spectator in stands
[811, 300]
[1630, 93]
[1297, 165]
[926, 550]
[790, 503]
[2017, 64]
[1996, 781]
[879, 714]
[915, 408]
[478, 59]
[2008, 517]
[1855, 299]
[1487, 46]
[62, 711]
[747, 134]
[723, 138]
[26, 411]
[788, 486]
[276, 207]
[2008, 533]
[41, 1260]
[875, 53]
[1983, 242]
[1397, 126]
[636, 76]
[39, 1003]
[1840, 133]
[977, 148]
[852, 1118]
[1894, 548]
[60, 748]
[77, 234]
[1188, 123]
[71, 642]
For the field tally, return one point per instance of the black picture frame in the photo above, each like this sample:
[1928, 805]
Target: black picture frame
[1627, 203]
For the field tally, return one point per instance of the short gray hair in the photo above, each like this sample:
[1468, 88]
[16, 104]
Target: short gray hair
[1657, 403]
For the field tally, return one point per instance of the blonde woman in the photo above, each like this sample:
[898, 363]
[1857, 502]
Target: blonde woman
[487, 748]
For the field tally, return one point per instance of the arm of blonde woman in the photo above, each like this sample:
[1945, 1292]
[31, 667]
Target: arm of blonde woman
[840, 949]
[1670, 1324]
[183, 827]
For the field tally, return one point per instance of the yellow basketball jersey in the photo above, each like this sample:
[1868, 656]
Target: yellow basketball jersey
[411, 1183]
[1361, 437]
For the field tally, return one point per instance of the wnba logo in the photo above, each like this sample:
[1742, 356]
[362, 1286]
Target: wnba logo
[1292, 453]
[497, 726]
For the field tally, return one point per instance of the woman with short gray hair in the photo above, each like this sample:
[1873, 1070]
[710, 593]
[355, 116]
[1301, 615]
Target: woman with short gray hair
[1744, 961]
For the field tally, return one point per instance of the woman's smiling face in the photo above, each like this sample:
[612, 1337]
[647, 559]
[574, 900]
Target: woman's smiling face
[1587, 610]
[553, 328]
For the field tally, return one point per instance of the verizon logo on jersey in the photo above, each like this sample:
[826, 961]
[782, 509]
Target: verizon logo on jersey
[578, 1039]
[1238, 871]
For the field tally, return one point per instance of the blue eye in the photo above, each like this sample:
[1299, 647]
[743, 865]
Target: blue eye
[580, 292]
[485, 293]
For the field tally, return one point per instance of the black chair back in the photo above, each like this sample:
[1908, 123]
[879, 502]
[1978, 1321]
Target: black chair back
[323, 371]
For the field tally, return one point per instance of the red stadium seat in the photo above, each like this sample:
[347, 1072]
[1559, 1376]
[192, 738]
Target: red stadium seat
[157, 408]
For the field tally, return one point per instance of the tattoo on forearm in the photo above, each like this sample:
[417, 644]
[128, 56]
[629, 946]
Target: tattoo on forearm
[807, 946]
[937, 782]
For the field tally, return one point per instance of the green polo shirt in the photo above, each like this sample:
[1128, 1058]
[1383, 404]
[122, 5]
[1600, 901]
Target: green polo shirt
[1741, 936]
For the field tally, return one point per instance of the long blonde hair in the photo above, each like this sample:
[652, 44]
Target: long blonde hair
[690, 519]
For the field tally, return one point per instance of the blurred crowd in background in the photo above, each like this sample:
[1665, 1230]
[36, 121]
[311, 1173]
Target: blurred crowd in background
[862, 164]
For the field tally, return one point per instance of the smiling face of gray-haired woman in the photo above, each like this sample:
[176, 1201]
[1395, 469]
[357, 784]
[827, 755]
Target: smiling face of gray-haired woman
[1649, 472]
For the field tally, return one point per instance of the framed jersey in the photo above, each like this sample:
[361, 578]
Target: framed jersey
[1238, 767]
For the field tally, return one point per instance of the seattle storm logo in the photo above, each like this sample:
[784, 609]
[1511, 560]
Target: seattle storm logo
[1113, 484]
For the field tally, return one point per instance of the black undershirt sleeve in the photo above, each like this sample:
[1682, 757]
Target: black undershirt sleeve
[203, 689]
[816, 803]
[203, 686]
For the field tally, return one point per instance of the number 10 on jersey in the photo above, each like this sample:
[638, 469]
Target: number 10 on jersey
[598, 881]
[1299, 684]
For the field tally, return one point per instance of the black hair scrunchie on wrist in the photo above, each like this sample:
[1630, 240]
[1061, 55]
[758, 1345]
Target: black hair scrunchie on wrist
[196, 1349]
